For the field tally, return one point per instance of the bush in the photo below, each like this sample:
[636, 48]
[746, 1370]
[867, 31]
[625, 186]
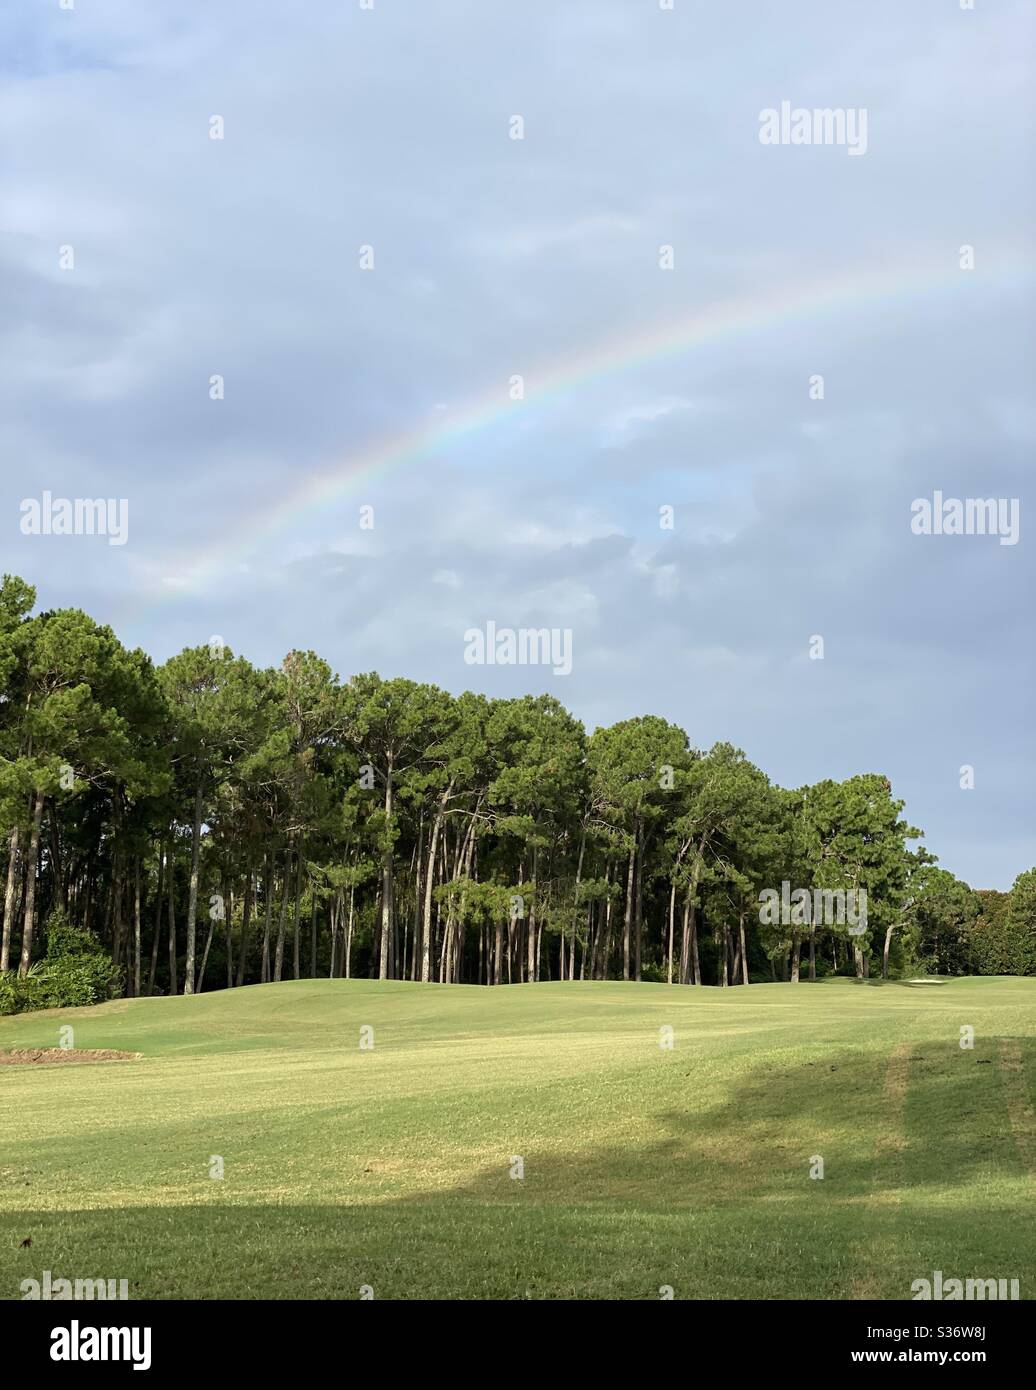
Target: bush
[74, 981]
[18, 996]
[64, 939]
[75, 971]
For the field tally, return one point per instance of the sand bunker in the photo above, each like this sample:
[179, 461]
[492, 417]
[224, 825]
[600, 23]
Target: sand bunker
[21, 1057]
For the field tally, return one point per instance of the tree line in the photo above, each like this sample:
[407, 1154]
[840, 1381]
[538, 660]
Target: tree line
[206, 823]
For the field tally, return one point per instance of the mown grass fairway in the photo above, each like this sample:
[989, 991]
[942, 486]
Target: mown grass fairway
[643, 1167]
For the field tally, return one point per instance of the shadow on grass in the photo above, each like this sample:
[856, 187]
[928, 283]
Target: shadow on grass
[876, 982]
[716, 1202]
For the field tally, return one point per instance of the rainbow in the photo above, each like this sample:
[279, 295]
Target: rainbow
[724, 320]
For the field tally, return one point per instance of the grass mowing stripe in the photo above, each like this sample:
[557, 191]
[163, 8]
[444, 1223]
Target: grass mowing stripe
[644, 1166]
[1023, 1121]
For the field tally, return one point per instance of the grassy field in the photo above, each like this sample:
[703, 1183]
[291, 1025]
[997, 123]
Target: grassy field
[643, 1166]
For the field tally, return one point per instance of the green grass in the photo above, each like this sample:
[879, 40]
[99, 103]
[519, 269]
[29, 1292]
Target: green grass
[643, 1167]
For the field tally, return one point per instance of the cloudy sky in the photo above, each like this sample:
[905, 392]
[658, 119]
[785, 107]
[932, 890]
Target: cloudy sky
[644, 387]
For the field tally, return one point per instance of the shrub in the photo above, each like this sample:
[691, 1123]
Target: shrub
[64, 939]
[73, 981]
[20, 995]
[75, 971]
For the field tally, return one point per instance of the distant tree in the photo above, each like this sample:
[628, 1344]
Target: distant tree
[1003, 935]
[944, 912]
[389, 828]
[857, 842]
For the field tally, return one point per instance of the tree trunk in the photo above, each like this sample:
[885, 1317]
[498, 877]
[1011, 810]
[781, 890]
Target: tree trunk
[685, 940]
[246, 919]
[173, 985]
[690, 965]
[264, 974]
[334, 917]
[298, 903]
[885, 953]
[349, 935]
[57, 869]
[278, 960]
[426, 931]
[606, 933]
[722, 936]
[444, 945]
[575, 910]
[735, 956]
[229, 919]
[312, 932]
[498, 953]
[672, 914]
[89, 893]
[205, 953]
[387, 913]
[13, 884]
[32, 860]
[531, 961]
[627, 925]
[192, 896]
[136, 927]
[156, 939]
[638, 898]
[115, 906]
[744, 949]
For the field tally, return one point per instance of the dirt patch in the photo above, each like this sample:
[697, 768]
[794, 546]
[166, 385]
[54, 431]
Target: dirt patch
[26, 1057]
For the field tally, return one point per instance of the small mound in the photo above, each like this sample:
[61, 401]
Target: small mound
[24, 1057]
